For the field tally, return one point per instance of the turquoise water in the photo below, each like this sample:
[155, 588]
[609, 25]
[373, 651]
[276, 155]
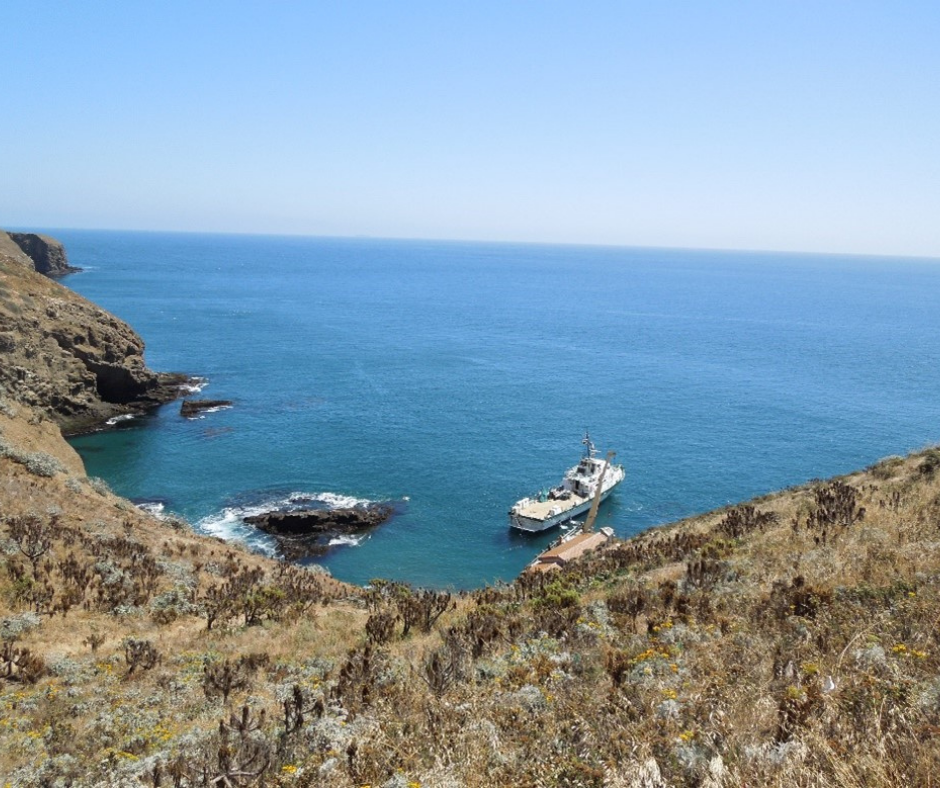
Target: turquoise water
[455, 378]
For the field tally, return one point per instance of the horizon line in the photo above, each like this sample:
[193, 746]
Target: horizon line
[494, 242]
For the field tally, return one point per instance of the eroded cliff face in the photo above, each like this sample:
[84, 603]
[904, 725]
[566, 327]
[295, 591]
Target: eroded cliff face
[47, 254]
[65, 357]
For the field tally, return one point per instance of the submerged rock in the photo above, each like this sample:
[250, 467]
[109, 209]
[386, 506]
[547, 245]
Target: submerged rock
[307, 533]
[193, 407]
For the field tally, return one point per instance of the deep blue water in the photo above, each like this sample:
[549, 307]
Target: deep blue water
[454, 378]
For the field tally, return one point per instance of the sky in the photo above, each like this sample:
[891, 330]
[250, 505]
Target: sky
[804, 126]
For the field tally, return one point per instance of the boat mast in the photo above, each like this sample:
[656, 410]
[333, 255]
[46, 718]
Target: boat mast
[589, 450]
[589, 523]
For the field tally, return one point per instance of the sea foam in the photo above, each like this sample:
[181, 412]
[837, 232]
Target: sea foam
[348, 541]
[155, 508]
[195, 385]
[230, 523]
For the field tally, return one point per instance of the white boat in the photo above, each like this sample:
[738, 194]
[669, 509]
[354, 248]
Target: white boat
[572, 497]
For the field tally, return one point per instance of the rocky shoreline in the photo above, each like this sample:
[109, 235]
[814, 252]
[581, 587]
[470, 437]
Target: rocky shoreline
[63, 355]
[83, 369]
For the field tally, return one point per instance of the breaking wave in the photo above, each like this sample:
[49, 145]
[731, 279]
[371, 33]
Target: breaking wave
[230, 523]
[156, 508]
[332, 500]
[202, 413]
[349, 541]
[118, 419]
[195, 385]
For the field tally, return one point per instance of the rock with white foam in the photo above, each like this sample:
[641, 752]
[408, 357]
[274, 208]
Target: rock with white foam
[308, 533]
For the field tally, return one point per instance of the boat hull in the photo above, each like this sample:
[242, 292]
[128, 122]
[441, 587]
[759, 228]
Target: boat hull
[535, 525]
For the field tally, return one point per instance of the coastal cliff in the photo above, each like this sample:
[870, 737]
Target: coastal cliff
[62, 355]
[47, 254]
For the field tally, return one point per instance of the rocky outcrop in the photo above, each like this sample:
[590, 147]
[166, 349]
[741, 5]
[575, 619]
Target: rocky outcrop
[47, 254]
[193, 407]
[316, 521]
[307, 533]
[67, 358]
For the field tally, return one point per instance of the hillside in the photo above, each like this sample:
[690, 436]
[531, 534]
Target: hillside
[790, 641]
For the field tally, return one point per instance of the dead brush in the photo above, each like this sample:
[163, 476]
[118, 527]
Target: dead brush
[629, 604]
[617, 664]
[94, 641]
[242, 757]
[836, 507]
[20, 664]
[484, 627]
[796, 598]
[238, 755]
[75, 578]
[38, 594]
[301, 588]
[440, 669]
[705, 572]
[33, 536]
[139, 654]
[673, 603]
[216, 605]
[358, 681]
[297, 708]
[380, 626]
[419, 609]
[223, 677]
[654, 551]
[744, 520]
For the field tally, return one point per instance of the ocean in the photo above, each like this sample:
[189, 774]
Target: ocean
[451, 379]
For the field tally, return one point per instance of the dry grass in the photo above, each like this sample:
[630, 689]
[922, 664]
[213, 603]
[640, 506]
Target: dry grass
[788, 650]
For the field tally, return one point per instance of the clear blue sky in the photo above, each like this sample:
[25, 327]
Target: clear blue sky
[790, 125]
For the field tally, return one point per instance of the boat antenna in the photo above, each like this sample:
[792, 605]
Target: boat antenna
[589, 450]
[589, 523]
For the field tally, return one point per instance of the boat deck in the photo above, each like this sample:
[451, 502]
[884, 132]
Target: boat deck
[539, 510]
